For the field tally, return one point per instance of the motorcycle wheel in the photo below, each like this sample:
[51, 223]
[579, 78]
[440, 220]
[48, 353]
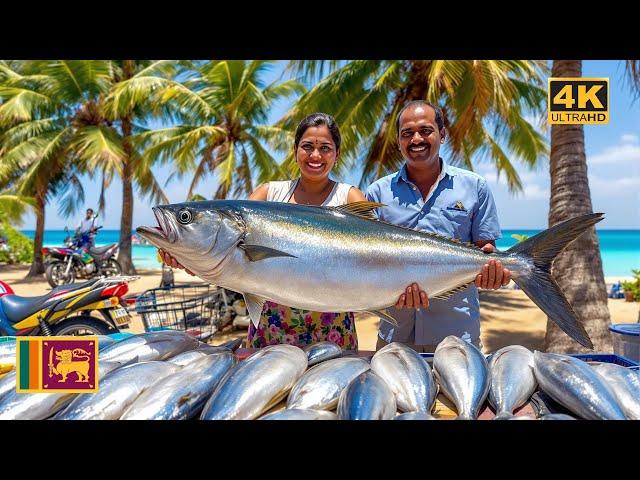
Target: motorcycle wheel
[111, 268]
[56, 277]
[82, 325]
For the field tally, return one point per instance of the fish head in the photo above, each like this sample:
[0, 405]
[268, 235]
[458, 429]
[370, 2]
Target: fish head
[197, 234]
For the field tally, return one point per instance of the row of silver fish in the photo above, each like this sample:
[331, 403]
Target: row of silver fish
[170, 375]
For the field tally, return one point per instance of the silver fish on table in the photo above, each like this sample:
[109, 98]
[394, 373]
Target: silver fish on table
[575, 385]
[327, 258]
[182, 395]
[322, 351]
[300, 414]
[40, 406]
[463, 375]
[414, 416]
[557, 416]
[8, 352]
[625, 384]
[187, 357]
[367, 397]
[149, 346]
[320, 387]
[117, 391]
[408, 375]
[512, 379]
[104, 341]
[257, 384]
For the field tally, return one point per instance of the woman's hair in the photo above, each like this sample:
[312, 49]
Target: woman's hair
[315, 120]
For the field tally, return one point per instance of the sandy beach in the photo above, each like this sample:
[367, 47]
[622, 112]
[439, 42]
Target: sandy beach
[507, 315]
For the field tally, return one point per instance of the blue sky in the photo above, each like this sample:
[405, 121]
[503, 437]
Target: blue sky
[613, 158]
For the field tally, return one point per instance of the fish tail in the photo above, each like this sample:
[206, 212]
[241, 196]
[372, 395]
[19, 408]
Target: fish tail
[537, 282]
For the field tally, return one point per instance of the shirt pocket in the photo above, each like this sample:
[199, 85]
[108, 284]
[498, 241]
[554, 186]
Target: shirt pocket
[460, 222]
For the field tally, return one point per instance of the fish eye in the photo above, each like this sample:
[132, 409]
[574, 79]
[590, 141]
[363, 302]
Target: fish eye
[184, 216]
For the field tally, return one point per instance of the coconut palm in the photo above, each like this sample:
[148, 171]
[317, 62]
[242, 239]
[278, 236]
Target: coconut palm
[485, 105]
[39, 104]
[578, 269]
[220, 110]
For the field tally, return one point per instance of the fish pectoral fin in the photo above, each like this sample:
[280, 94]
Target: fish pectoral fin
[360, 209]
[384, 314]
[258, 252]
[447, 295]
[254, 306]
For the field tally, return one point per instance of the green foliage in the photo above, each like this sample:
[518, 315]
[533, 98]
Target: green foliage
[19, 247]
[633, 286]
[519, 237]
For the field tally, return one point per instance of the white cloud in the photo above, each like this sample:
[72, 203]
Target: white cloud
[627, 152]
[613, 186]
[534, 191]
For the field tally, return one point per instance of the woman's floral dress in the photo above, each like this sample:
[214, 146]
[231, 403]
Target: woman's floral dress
[282, 324]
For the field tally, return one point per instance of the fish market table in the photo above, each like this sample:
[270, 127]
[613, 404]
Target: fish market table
[443, 408]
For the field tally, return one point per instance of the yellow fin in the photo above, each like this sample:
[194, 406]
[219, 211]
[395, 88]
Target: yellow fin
[360, 209]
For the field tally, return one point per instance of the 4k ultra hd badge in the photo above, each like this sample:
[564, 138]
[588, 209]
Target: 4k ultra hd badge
[578, 101]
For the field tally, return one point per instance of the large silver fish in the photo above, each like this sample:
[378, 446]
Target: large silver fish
[512, 379]
[149, 346]
[414, 416]
[300, 414]
[575, 385]
[117, 391]
[320, 387]
[7, 383]
[257, 384]
[367, 397]
[463, 375]
[625, 384]
[185, 358]
[408, 375]
[328, 258]
[39, 406]
[182, 395]
[321, 351]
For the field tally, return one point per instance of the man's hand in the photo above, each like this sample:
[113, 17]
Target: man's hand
[172, 262]
[413, 297]
[493, 275]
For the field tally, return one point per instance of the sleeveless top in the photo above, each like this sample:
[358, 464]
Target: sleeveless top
[283, 324]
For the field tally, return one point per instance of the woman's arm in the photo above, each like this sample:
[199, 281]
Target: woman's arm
[355, 195]
[260, 193]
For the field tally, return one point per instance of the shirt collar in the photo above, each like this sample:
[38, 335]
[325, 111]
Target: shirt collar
[445, 169]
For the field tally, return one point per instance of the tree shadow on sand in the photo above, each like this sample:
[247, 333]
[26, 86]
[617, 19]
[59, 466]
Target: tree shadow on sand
[497, 300]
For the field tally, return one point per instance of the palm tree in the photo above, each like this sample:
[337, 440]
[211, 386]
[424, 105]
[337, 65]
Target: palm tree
[484, 103]
[220, 110]
[578, 269]
[38, 131]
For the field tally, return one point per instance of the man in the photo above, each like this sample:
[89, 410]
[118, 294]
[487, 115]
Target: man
[86, 226]
[430, 195]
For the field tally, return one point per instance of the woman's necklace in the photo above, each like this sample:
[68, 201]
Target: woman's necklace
[329, 184]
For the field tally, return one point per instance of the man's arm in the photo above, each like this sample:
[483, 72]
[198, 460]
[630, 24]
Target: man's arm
[486, 226]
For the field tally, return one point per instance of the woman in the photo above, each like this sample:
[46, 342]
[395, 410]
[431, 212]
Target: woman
[317, 148]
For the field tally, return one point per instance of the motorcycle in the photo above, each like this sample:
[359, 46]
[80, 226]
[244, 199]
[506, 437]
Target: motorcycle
[79, 259]
[67, 310]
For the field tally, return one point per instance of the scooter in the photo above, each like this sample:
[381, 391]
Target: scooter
[67, 310]
[78, 259]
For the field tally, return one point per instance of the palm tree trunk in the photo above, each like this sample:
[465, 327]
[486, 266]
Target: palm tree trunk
[578, 269]
[37, 266]
[126, 220]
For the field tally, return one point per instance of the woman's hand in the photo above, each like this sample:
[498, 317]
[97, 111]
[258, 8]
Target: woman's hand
[493, 275]
[413, 297]
[172, 262]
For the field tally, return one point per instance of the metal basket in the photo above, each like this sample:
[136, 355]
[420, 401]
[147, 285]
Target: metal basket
[196, 309]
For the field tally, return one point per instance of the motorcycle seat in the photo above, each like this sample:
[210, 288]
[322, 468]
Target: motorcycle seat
[98, 251]
[17, 308]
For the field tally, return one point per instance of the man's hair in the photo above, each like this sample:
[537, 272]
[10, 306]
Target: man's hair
[89, 210]
[424, 103]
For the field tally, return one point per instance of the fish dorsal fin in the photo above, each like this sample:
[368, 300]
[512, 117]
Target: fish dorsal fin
[259, 252]
[254, 306]
[447, 295]
[443, 237]
[362, 209]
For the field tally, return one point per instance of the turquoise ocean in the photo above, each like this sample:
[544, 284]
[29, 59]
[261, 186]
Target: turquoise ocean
[620, 249]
